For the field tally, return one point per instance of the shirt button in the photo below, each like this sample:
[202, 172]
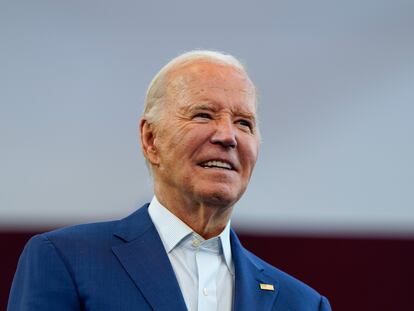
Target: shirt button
[205, 291]
[196, 243]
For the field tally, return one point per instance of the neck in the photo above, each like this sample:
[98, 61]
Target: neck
[206, 219]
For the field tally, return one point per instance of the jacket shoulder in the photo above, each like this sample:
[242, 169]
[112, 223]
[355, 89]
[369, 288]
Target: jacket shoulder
[82, 233]
[98, 233]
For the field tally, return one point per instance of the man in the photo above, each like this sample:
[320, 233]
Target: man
[200, 138]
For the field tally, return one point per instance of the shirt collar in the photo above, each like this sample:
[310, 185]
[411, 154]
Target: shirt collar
[170, 228]
[225, 244]
[173, 230]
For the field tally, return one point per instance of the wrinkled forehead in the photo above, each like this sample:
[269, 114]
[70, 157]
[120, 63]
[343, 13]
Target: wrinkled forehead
[199, 77]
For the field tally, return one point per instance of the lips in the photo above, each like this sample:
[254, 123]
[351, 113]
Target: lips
[222, 164]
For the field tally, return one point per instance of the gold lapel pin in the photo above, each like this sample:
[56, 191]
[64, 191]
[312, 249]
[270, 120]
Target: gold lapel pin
[267, 286]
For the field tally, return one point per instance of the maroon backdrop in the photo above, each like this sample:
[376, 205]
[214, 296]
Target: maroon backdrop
[354, 273]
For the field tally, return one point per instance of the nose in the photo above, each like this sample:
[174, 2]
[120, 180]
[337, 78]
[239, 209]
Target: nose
[224, 134]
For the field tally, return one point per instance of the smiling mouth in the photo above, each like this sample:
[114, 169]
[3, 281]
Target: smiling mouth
[217, 164]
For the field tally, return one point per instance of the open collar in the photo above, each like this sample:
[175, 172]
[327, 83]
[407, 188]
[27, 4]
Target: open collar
[144, 258]
[173, 230]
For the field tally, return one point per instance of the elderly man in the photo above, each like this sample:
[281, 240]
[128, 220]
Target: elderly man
[200, 138]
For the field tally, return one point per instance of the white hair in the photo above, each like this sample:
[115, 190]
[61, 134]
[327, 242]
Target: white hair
[154, 103]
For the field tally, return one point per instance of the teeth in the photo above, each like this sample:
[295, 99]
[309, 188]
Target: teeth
[217, 164]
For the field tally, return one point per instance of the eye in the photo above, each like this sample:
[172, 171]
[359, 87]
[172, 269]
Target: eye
[245, 124]
[202, 115]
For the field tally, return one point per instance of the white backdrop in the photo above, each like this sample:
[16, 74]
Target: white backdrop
[336, 81]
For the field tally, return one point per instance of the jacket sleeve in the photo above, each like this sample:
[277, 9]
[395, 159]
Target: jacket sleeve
[42, 280]
[324, 304]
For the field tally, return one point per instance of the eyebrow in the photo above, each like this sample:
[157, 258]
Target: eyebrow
[203, 106]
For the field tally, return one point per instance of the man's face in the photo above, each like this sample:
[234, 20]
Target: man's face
[207, 142]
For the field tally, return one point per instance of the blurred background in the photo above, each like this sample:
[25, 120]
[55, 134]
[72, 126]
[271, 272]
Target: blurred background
[332, 197]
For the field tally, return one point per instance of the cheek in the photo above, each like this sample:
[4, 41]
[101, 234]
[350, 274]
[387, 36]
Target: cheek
[250, 153]
[181, 144]
[193, 137]
[168, 139]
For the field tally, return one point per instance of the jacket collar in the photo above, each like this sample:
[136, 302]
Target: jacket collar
[250, 274]
[145, 260]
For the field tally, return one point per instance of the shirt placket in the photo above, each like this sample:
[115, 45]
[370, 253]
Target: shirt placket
[207, 267]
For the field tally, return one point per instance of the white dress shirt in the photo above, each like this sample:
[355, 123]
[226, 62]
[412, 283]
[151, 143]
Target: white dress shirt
[204, 268]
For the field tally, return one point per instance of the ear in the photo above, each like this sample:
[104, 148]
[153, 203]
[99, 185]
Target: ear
[148, 134]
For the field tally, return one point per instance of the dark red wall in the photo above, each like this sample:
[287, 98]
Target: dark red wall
[354, 273]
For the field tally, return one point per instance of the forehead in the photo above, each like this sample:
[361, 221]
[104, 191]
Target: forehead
[214, 83]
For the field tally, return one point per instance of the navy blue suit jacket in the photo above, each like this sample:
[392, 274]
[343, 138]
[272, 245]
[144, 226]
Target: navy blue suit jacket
[122, 265]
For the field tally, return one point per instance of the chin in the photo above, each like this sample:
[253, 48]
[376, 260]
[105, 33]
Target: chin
[220, 197]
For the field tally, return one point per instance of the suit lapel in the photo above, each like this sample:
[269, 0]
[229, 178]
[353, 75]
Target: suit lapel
[248, 277]
[144, 258]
